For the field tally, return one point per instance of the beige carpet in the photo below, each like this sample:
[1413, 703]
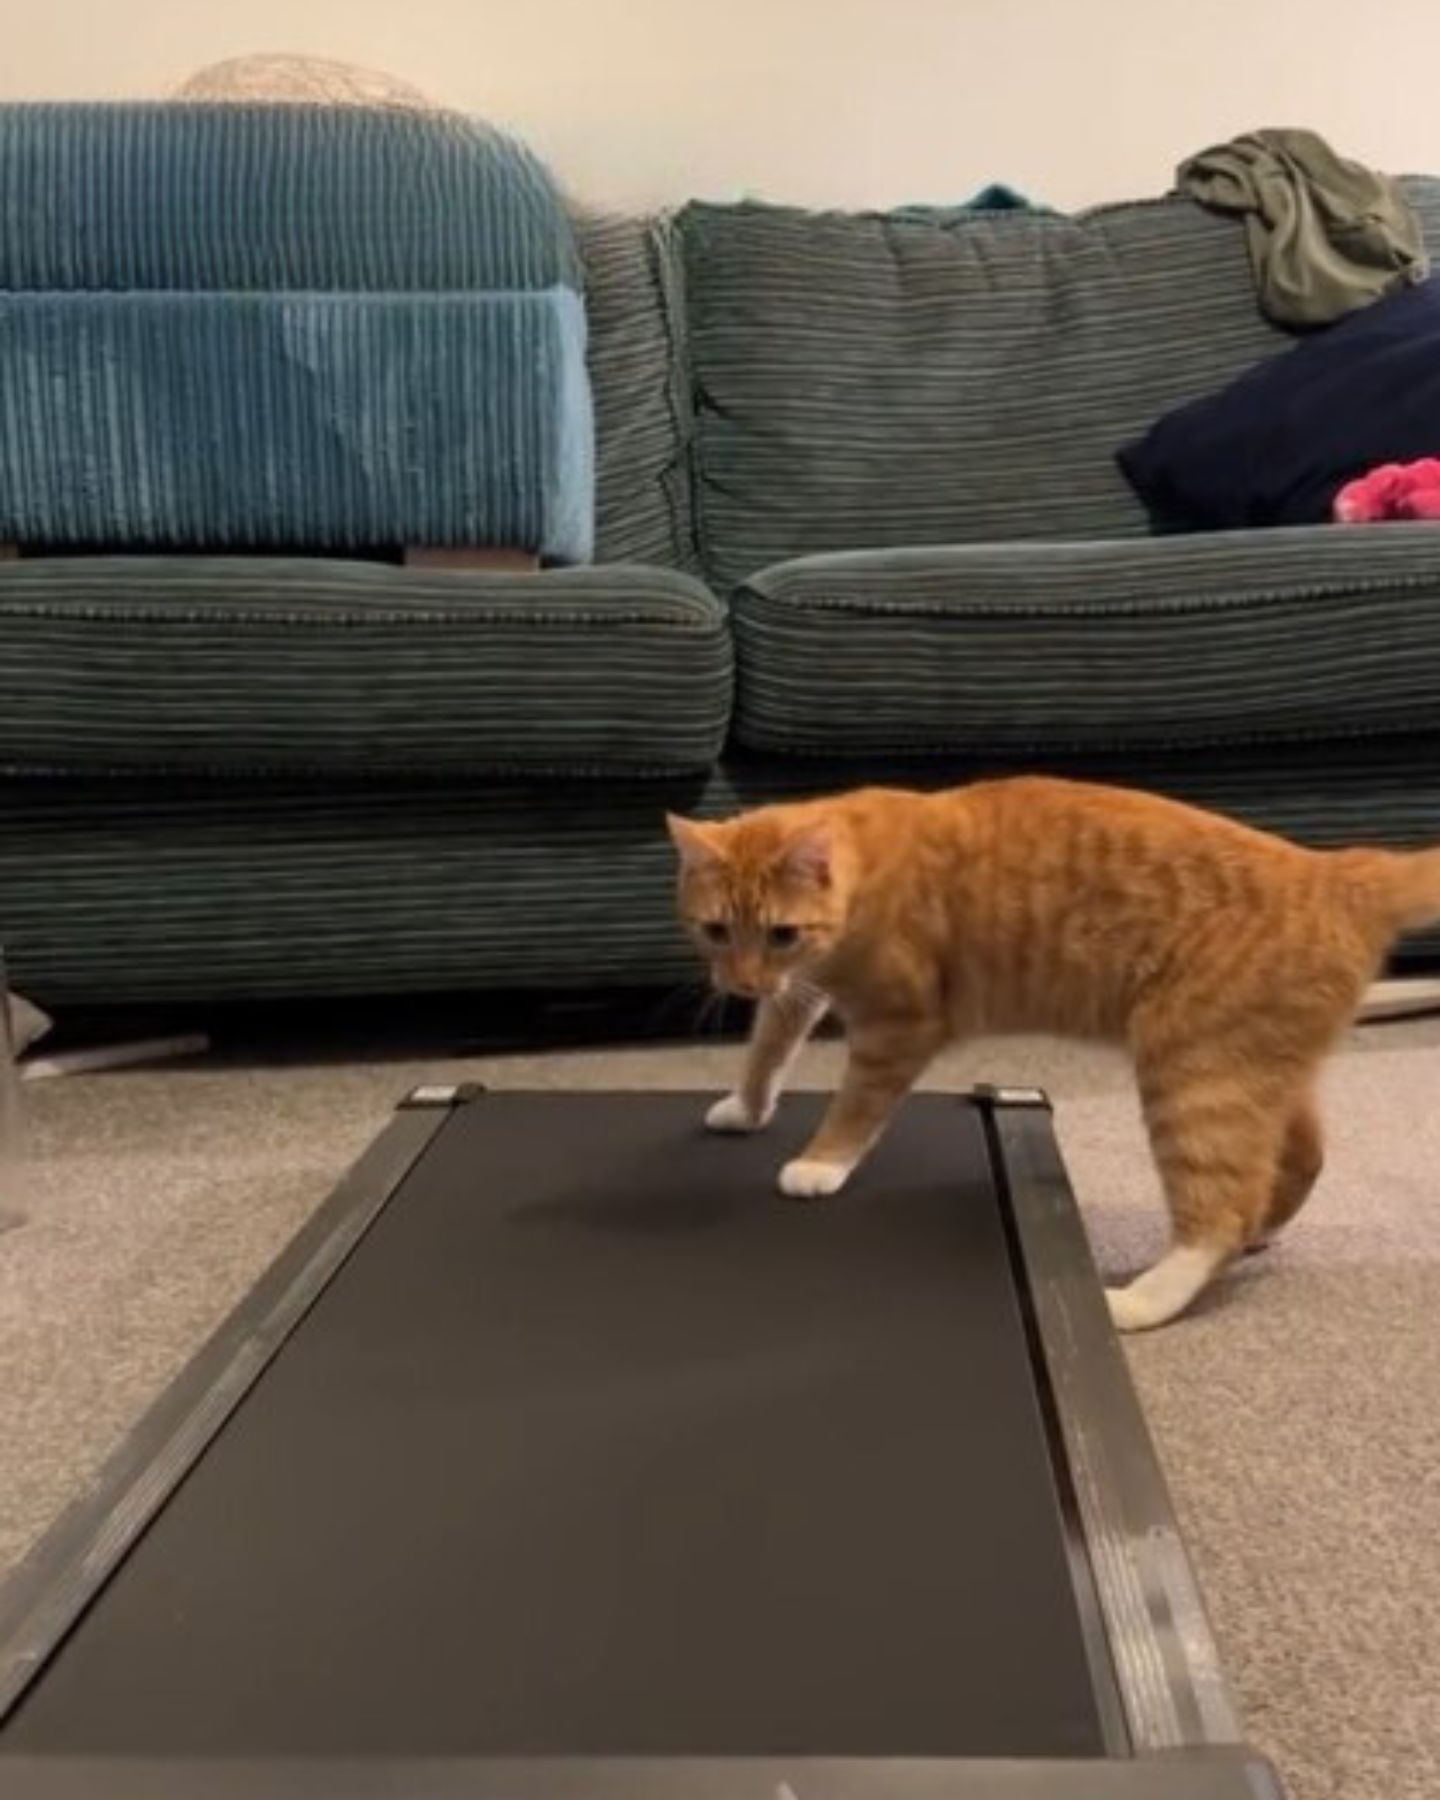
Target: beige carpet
[1298, 1414]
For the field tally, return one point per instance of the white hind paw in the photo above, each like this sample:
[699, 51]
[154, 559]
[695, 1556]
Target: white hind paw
[1130, 1311]
[732, 1114]
[804, 1179]
[1162, 1293]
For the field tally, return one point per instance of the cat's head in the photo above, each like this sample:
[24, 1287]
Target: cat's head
[764, 896]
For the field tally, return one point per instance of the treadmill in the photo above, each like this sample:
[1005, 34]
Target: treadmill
[559, 1458]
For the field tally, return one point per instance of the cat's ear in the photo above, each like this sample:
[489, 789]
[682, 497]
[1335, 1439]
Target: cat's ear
[808, 856]
[694, 841]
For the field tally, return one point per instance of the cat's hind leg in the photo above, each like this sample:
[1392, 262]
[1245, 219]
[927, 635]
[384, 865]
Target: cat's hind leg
[1302, 1158]
[1217, 1134]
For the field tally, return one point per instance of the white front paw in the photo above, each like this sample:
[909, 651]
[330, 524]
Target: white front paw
[732, 1114]
[804, 1179]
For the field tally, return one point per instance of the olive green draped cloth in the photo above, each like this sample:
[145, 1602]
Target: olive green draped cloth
[1326, 236]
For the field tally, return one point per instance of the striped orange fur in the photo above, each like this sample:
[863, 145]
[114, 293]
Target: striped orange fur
[1226, 959]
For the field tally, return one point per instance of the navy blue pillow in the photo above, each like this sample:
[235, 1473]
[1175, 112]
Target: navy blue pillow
[1276, 445]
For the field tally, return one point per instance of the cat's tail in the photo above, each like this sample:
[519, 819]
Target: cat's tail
[1414, 888]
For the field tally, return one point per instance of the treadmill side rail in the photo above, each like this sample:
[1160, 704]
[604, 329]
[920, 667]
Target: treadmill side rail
[50, 1589]
[1160, 1639]
[1195, 1775]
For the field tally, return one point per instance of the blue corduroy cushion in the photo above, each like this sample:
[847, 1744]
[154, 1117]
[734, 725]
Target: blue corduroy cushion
[256, 196]
[322, 420]
[290, 326]
[1275, 446]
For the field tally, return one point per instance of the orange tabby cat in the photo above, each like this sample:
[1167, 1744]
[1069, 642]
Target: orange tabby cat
[1226, 959]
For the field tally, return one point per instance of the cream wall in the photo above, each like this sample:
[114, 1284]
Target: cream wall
[819, 101]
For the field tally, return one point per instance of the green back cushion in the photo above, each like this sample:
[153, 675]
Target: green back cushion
[867, 380]
[642, 493]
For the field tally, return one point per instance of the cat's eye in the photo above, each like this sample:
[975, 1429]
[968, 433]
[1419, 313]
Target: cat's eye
[783, 937]
[715, 931]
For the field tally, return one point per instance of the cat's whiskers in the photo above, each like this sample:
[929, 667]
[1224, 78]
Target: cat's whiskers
[682, 994]
[709, 1017]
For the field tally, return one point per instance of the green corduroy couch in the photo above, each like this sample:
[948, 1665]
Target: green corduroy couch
[857, 518]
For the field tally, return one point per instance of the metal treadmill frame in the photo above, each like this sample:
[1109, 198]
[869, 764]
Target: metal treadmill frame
[1172, 1731]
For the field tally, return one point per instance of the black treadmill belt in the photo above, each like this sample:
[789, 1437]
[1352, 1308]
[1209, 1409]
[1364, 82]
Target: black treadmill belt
[596, 1445]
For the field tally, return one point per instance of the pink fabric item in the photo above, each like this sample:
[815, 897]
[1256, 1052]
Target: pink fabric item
[1393, 491]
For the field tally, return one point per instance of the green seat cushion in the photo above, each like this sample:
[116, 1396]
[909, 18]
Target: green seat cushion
[1309, 633]
[236, 665]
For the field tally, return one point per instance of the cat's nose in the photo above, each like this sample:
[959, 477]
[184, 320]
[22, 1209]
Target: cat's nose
[746, 979]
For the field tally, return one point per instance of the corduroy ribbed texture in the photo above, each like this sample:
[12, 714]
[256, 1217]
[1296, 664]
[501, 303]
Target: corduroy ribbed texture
[289, 778]
[299, 326]
[1260, 637]
[869, 381]
[641, 397]
[338, 421]
[209, 891]
[239, 666]
[182, 195]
